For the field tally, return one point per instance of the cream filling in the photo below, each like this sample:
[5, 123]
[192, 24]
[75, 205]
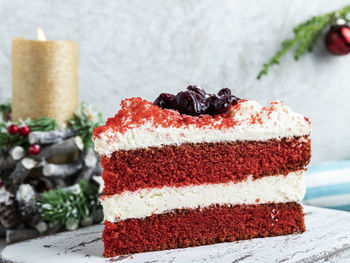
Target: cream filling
[145, 202]
[280, 123]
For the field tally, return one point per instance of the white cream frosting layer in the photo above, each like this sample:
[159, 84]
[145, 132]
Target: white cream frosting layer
[145, 202]
[278, 123]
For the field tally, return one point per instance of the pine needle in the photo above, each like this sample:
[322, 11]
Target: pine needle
[306, 35]
[59, 206]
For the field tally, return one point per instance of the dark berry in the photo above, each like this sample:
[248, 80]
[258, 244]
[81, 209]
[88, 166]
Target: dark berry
[166, 101]
[195, 101]
[218, 105]
[24, 130]
[224, 91]
[191, 103]
[12, 129]
[233, 99]
[34, 149]
[197, 89]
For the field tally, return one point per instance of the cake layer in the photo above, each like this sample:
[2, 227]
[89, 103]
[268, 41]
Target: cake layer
[195, 164]
[149, 201]
[140, 124]
[186, 227]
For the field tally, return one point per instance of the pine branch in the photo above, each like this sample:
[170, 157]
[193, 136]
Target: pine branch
[61, 207]
[40, 124]
[5, 107]
[85, 120]
[306, 35]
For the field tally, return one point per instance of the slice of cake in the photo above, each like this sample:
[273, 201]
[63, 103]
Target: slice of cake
[197, 168]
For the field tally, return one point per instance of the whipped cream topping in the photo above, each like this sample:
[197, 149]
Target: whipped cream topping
[247, 120]
[145, 202]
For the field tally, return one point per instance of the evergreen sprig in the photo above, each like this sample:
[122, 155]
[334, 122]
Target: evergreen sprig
[40, 124]
[62, 208]
[85, 120]
[306, 35]
[5, 107]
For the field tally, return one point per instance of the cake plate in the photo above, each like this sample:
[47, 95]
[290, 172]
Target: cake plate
[327, 239]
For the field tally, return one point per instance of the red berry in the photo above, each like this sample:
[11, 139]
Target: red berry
[34, 149]
[24, 130]
[12, 129]
[338, 40]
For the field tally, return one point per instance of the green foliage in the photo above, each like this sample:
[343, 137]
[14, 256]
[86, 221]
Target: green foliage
[62, 207]
[5, 107]
[40, 124]
[305, 37]
[85, 120]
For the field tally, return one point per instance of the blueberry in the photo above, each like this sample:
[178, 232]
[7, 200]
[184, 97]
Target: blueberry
[166, 101]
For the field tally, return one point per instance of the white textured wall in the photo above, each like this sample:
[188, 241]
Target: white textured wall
[141, 48]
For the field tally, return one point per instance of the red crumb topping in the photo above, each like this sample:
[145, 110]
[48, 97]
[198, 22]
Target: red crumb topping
[202, 163]
[135, 111]
[214, 224]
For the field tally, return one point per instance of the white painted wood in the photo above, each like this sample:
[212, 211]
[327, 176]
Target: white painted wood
[327, 239]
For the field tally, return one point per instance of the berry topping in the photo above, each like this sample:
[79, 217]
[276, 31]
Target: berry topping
[191, 103]
[12, 129]
[195, 101]
[24, 130]
[218, 105]
[197, 89]
[224, 91]
[34, 149]
[166, 101]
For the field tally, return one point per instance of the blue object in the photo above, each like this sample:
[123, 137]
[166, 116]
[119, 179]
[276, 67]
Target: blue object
[328, 185]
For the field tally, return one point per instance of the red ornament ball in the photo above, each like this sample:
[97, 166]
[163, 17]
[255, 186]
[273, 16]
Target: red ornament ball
[12, 129]
[338, 40]
[24, 130]
[34, 149]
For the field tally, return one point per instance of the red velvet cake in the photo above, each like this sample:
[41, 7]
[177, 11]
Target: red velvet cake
[197, 168]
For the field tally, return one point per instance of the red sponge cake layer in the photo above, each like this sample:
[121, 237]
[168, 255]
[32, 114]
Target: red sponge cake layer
[185, 227]
[203, 163]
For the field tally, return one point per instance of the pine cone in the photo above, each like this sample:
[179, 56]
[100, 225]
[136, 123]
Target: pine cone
[26, 199]
[9, 215]
[29, 213]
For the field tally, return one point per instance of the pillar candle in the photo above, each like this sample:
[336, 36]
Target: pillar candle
[44, 79]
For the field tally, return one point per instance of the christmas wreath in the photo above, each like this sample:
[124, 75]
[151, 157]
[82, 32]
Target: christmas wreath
[49, 177]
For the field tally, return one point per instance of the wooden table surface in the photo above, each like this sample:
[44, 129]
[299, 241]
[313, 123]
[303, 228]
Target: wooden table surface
[327, 239]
